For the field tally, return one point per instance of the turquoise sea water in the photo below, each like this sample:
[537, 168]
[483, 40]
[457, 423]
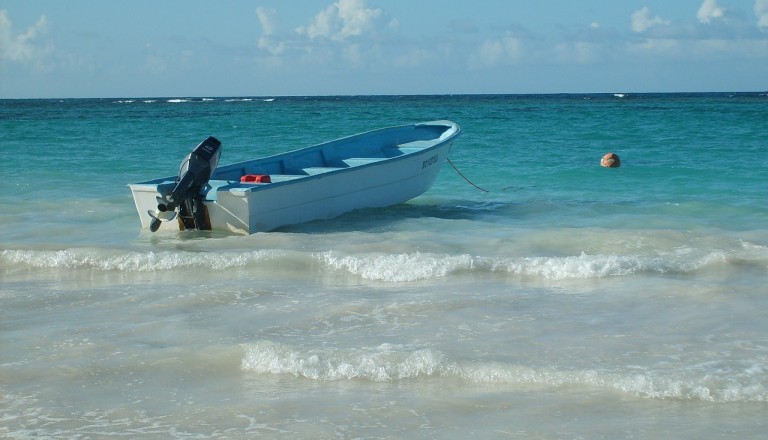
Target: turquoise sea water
[565, 300]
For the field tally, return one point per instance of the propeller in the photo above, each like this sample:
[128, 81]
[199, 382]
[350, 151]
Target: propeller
[162, 214]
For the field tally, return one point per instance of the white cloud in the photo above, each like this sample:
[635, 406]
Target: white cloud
[324, 24]
[267, 20]
[655, 47]
[343, 19]
[761, 11]
[642, 21]
[269, 44]
[26, 47]
[356, 17]
[582, 52]
[709, 10]
[506, 50]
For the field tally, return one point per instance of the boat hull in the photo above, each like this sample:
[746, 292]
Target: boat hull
[370, 170]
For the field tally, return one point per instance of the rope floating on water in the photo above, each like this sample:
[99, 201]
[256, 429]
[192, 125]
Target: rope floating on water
[464, 177]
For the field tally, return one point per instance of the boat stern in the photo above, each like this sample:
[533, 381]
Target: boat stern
[146, 196]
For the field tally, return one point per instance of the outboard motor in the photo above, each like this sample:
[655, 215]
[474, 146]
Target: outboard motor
[194, 173]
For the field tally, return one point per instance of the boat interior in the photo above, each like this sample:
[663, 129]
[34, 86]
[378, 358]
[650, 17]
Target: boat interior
[324, 158]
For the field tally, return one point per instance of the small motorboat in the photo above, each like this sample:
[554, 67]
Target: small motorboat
[374, 169]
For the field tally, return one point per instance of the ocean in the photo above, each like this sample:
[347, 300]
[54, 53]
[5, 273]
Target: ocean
[530, 293]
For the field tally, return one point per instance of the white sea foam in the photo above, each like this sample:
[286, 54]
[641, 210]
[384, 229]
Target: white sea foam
[133, 261]
[421, 266]
[388, 362]
[398, 267]
[383, 363]
[388, 267]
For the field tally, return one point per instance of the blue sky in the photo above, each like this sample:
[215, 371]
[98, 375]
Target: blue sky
[139, 48]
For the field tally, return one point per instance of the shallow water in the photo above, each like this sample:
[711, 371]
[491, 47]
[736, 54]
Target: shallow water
[568, 301]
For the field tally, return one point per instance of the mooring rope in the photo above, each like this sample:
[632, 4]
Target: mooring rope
[465, 177]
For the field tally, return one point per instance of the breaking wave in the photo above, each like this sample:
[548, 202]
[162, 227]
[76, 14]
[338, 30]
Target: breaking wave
[388, 363]
[388, 267]
[422, 266]
[132, 261]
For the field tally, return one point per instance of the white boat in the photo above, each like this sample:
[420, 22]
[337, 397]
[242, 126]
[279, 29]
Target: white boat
[378, 168]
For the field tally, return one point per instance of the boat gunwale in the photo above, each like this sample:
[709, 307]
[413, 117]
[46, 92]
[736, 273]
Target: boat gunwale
[452, 129]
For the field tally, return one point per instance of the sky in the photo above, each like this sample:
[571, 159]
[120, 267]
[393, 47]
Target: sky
[203, 48]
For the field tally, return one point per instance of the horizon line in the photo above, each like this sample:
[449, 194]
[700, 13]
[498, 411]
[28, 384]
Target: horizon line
[213, 97]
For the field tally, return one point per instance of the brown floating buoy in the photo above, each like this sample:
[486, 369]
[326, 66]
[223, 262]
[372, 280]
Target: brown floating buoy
[610, 160]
